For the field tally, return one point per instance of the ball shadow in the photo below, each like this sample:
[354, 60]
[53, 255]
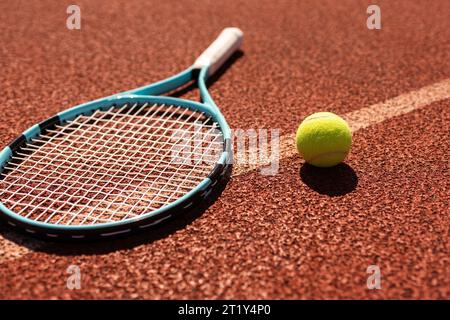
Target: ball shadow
[335, 181]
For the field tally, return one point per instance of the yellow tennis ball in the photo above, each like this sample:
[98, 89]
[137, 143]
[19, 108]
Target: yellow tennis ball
[323, 139]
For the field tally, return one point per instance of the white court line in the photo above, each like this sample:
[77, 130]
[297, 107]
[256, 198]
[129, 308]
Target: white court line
[359, 119]
[367, 117]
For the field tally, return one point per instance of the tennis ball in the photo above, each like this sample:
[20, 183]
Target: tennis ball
[323, 139]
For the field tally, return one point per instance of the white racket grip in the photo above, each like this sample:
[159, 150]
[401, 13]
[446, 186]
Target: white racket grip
[220, 50]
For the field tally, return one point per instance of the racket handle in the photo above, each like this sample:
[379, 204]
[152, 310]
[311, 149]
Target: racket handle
[220, 50]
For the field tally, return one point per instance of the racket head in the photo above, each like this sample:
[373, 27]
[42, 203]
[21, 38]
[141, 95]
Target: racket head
[16, 153]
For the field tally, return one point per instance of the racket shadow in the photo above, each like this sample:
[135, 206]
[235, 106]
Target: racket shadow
[120, 242]
[178, 93]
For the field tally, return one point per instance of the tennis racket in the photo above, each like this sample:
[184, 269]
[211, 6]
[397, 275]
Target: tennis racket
[120, 163]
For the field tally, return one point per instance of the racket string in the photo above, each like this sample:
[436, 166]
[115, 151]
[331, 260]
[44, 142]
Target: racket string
[99, 205]
[123, 126]
[53, 152]
[68, 178]
[52, 200]
[69, 167]
[173, 174]
[156, 154]
[71, 175]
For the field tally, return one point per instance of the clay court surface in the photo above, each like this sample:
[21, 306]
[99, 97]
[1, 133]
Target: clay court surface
[303, 233]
